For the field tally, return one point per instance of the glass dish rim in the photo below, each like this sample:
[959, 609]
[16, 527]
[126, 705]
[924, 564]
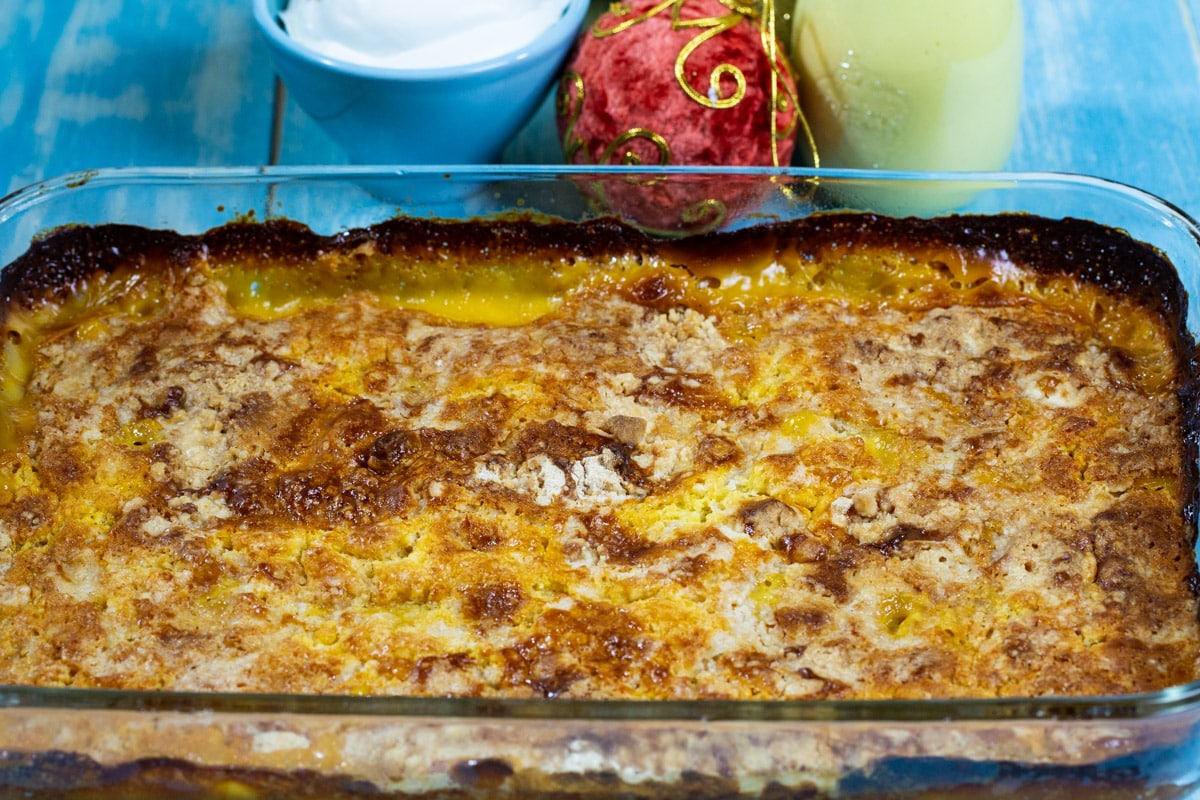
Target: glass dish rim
[34, 192]
[1173, 700]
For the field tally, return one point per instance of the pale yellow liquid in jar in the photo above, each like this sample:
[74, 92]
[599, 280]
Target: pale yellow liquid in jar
[910, 84]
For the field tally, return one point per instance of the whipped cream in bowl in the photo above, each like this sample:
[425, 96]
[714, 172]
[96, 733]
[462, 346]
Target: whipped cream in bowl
[417, 34]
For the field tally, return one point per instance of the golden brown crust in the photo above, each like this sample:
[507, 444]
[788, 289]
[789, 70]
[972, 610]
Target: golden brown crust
[846, 458]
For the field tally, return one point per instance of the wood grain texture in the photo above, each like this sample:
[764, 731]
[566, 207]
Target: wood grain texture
[1112, 89]
[121, 83]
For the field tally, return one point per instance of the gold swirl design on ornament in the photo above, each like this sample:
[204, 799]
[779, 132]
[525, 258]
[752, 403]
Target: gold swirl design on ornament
[705, 215]
[631, 158]
[713, 26]
[712, 98]
[620, 10]
[784, 98]
[783, 92]
[568, 105]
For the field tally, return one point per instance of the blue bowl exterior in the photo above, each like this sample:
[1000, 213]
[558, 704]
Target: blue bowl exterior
[462, 115]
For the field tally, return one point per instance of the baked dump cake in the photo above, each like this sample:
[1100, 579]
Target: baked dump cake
[844, 457]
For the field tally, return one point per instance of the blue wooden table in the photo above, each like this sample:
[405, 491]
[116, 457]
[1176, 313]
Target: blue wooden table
[1112, 89]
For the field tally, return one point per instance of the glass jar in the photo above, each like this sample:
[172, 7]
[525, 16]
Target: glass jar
[910, 84]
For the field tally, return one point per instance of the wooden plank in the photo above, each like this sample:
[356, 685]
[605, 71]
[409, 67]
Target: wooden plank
[113, 83]
[1112, 89]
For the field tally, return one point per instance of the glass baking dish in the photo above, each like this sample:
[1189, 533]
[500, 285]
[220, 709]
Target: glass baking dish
[99, 743]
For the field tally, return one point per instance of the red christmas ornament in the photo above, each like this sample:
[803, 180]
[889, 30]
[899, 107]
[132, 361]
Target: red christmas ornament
[677, 82]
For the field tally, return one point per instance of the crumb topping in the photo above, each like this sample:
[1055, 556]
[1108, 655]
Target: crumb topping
[654, 487]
